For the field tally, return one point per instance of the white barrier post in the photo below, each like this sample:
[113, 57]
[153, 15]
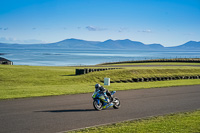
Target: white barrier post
[107, 81]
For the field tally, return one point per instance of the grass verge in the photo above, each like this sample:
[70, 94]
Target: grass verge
[188, 122]
[34, 81]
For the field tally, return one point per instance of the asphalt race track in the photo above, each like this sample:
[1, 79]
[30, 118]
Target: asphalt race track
[68, 112]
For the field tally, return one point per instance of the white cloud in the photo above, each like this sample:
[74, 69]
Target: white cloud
[93, 28]
[145, 31]
[122, 29]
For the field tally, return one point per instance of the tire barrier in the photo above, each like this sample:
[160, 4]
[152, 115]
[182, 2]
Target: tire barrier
[186, 60]
[88, 70]
[152, 79]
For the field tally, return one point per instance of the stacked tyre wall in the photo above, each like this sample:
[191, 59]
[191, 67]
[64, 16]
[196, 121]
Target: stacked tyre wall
[151, 79]
[189, 60]
[86, 70]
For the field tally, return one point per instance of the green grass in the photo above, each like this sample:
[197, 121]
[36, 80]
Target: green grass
[129, 73]
[188, 122]
[34, 81]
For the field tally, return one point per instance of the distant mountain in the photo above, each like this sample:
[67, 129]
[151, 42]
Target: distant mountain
[189, 45]
[121, 44]
[108, 44]
[74, 43]
[156, 46]
[127, 44]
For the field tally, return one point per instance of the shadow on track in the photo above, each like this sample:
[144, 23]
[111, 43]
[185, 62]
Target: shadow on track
[70, 110]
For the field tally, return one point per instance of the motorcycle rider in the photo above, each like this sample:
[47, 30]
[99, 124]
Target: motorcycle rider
[106, 95]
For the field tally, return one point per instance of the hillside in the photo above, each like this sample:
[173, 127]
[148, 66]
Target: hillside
[108, 44]
[189, 45]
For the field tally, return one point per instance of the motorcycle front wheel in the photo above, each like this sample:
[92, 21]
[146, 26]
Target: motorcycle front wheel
[116, 103]
[97, 106]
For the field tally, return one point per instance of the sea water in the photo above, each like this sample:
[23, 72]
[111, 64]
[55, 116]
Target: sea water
[75, 57]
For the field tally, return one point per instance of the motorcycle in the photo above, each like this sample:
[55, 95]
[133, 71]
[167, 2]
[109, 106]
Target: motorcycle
[101, 102]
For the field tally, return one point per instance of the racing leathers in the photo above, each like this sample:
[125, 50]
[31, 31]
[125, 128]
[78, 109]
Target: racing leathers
[106, 98]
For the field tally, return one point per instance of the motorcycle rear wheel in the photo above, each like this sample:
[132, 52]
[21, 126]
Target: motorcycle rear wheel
[98, 106]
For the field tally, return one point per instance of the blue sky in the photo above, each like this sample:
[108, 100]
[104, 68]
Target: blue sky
[167, 22]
